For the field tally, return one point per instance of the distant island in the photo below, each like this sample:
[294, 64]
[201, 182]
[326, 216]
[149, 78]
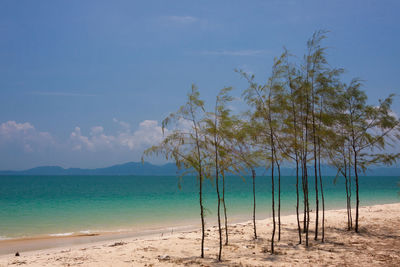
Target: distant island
[146, 168]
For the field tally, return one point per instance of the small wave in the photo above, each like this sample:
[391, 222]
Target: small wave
[62, 234]
[4, 238]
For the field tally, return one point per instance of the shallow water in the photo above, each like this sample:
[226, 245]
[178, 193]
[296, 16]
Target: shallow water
[66, 205]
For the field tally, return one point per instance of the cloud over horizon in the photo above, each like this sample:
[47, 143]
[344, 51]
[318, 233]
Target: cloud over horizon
[147, 134]
[24, 136]
[22, 142]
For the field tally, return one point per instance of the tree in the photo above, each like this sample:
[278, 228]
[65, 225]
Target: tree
[243, 147]
[215, 127]
[262, 99]
[371, 129]
[186, 146]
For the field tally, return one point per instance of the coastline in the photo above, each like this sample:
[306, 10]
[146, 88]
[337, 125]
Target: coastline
[377, 243]
[59, 240]
[34, 243]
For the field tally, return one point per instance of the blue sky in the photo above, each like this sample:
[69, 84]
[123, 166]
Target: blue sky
[87, 83]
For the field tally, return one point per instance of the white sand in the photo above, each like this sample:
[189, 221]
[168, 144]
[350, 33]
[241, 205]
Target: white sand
[377, 244]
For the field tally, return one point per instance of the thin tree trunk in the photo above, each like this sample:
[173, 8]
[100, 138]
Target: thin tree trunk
[319, 171]
[351, 217]
[297, 163]
[279, 201]
[202, 215]
[272, 172]
[225, 215]
[316, 202]
[306, 175]
[219, 209]
[272, 184]
[347, 189]
[200, 172]
[307, 202]
[348, 207]
[216, 143]
[357, 189]
[219, 204]
[305, 140]
[322, 191]
[297, 199]
[253, 173]
[303, 183]
[315, 167]
[273, 199]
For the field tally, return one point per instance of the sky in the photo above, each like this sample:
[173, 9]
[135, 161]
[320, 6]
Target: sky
[87, 83]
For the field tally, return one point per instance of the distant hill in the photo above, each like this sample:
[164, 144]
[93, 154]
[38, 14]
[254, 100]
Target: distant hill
[130, 168]
[137, 168]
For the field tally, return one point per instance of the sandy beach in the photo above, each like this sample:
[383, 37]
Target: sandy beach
[377, 244]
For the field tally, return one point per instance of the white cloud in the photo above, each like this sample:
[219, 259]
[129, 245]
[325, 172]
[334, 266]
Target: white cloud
[96, 130]
[79, 140]
[96, 141]
[148, 133]
[249, 52]
[95, 145]
[184, 125]
[123, 124]
[24, 135]
[10, 128]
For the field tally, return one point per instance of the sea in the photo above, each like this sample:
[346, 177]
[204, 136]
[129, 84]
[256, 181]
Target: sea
[40, 206]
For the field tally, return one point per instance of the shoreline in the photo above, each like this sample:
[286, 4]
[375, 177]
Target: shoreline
[380, 226]
[30, 244]
[49, 241]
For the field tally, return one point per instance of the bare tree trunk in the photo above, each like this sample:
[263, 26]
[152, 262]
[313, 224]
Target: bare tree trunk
[202, 215]
[273, 206]
[303, 183]
[303, 155]
[297, 199]
[297, 163]
[219, 217]
[200, 172]
[348, 207]
[306, 175]
[351, 217]
[347, 190]
[253, 173]
[225, 215]
[279, 201]
[307, 202]
[273, 192]
[357, 189]
[219, 204]
[316, 199]
[322, 191]
[315, 168]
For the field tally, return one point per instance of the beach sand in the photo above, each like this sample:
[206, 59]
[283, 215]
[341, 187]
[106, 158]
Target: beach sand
[377, 244]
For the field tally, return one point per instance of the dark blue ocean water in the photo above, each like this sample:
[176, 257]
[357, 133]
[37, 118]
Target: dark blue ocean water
[56, 205]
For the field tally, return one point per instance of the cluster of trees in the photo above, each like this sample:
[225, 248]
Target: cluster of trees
[302, 115]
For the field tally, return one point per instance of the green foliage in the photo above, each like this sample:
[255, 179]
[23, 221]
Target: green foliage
[303, 107]
[184, 146]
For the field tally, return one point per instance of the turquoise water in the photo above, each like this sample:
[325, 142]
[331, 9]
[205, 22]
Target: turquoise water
[57, 205]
